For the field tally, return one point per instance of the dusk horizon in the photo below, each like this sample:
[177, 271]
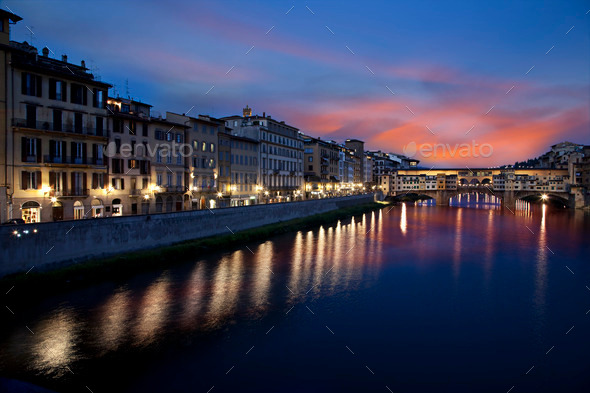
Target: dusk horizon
[333, 71]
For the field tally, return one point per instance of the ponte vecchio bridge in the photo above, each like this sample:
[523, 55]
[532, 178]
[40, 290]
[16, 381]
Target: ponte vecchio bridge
[507, 184]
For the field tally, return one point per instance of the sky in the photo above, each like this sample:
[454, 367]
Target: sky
[427, 78]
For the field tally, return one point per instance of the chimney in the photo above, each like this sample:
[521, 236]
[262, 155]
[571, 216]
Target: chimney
[45, 51]
[83, 64]
[263, 114]
[64, 58]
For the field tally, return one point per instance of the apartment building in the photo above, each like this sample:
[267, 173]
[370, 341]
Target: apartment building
[202, 137]
[281, 153]
[244, 178]
[358, 148]
[224, 168]
[54, 133]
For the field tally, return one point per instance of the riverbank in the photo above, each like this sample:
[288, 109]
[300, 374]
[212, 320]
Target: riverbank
[127, 264]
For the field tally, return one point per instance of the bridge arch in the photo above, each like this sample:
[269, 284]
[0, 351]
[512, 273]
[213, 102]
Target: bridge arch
[541, 197]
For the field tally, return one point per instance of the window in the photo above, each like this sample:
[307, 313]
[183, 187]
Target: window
[97, 154]
[159, 135]
[31, 180]
[78, 126]
[159, 156]
[169, 179]
[117, 165]
[144, 127]
[78, 153]
[97, 181]
[57, 120]
[178, 159]
[212, 147]
[179, 138]
[132, 164]
[179, 179]
[159, 179]
[196, 145]
[57, 90]
[31, 149]
[99, 126]
[204, 146]
[169, 136]
[132, 127]
[118, 126]
[78, 94]
[144, 183]
[144, 167]
[31, 116]
[31, 84]
[169, 158]
[125, 108]
[98, 98]
[310, 159]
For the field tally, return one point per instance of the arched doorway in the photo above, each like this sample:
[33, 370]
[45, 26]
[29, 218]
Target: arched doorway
[159, 204]
[31, 212]
[78, 210]
[117, 208]
[97, 208]
[168, 204]
[178, 204]
[57, 211]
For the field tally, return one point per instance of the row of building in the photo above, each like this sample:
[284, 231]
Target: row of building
[71, 151]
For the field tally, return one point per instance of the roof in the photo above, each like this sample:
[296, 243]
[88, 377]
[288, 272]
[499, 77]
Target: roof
[10, 15]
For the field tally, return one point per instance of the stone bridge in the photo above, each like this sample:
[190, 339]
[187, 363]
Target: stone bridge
[507, 198]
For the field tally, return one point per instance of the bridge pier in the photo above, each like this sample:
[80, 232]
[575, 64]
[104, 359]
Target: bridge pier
[508, 199]
[442, 198]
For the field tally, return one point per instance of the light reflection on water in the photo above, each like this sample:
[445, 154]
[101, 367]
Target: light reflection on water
[331, 261]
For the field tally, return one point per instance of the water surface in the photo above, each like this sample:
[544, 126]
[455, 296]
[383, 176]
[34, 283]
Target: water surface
[412, 299]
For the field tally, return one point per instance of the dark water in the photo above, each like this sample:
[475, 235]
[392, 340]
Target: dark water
[416, 299]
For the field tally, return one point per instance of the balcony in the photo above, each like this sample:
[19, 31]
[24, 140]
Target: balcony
[71, 160]
[49, 126]
[75, 192]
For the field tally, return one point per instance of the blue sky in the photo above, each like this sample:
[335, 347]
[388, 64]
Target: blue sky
[330, 68]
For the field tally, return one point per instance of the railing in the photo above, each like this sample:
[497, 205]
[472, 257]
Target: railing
[48, 159]
[49, 126]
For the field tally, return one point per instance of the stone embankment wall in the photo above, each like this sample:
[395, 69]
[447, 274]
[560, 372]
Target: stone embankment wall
[53, 244]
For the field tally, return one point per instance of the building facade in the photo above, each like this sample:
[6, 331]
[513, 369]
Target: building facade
[280, 153]
[53, 137]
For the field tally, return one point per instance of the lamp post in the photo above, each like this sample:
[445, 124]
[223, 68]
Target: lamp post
[107, 192]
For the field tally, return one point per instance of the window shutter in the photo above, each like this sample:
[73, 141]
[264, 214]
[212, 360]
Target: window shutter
[94, 181]
[38, 145]
[84, 96]
[72, 152]
[64, 180]
[52, 89]
[39, 180]
[24, 180]
[63, 152]
[122, 184]
[23, 89]
[64, 91]
[52, 180]
[52, 145]
[39, 82]
[94, 153]
[84, 183]
[84, 153]
[24, 149]
[73, 176]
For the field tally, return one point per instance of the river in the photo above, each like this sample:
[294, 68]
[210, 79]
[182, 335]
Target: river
[407, 299]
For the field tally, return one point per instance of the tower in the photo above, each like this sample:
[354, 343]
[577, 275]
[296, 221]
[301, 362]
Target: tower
[247, 111]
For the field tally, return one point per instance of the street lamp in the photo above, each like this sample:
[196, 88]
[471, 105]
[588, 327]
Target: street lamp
[544, 197]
